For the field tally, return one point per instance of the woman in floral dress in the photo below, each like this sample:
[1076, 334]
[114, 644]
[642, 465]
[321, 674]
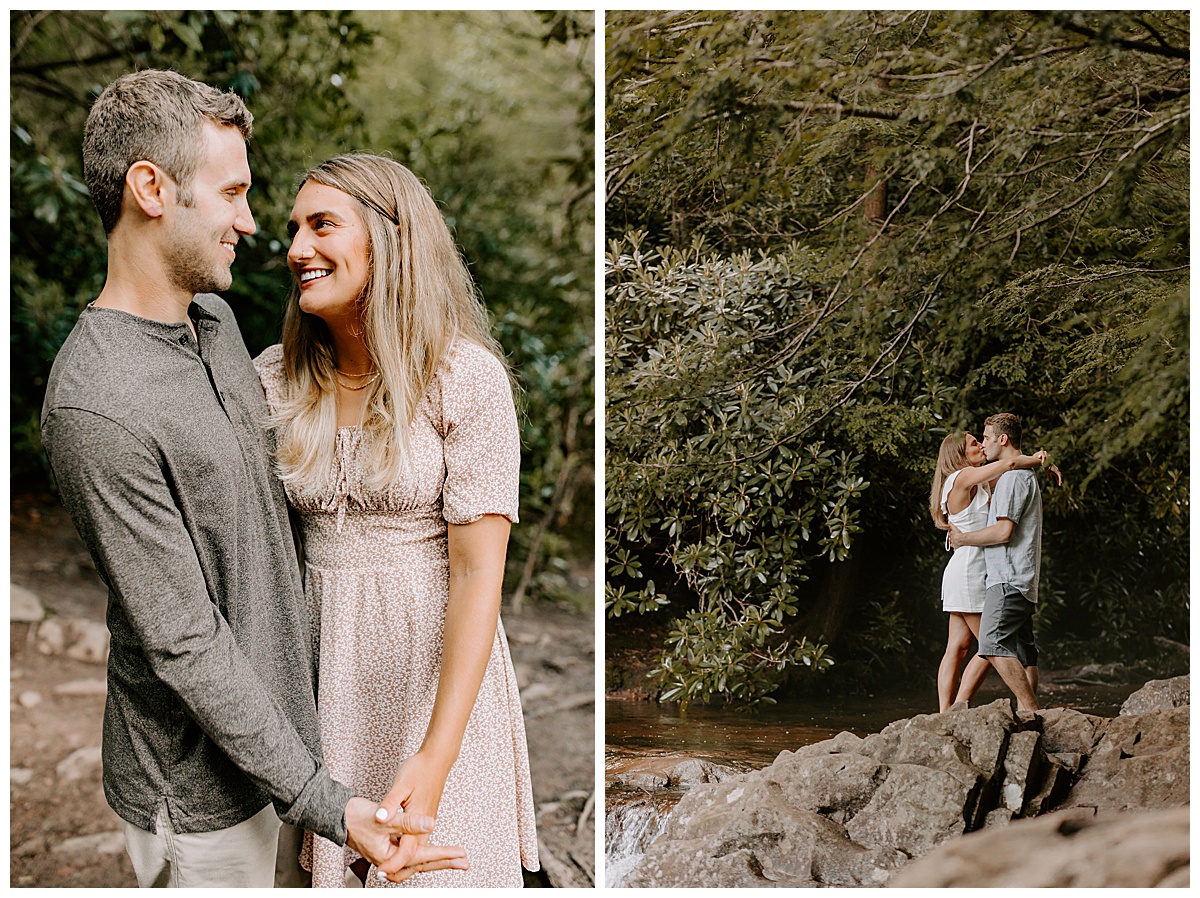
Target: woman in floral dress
[396, 439]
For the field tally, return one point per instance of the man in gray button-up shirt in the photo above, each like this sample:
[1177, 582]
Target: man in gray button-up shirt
[153, 423]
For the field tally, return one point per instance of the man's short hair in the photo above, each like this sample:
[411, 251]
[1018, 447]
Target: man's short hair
[1007, 424]
[154, 116]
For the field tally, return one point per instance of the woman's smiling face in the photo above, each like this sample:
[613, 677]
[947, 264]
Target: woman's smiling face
[329, 252]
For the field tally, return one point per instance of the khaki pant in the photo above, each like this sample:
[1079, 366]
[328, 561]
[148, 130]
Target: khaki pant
[256, 853]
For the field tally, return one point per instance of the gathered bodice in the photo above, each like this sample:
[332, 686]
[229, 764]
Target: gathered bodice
[417, 490]
[464, 450]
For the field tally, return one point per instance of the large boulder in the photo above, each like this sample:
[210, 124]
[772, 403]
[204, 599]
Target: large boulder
[1060, 850]
[744, 833]
[1158, 695]
[1139, 762]
[914, 809]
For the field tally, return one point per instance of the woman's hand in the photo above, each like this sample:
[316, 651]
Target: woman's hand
[417, 786]
[1043, 461]
[416, 790]
[398, 842]
[1031, 461]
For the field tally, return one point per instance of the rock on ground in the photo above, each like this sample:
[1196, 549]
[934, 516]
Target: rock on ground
[112, 842]
[89, 686]
[851, 811]
[1158, 695]
[79, 764]
[24, 605]
[1063, 850]
[75, 637]
[29, 698]
[670, 772]
[1140, 762]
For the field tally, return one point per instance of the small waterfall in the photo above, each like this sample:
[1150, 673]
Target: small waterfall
[632, 822]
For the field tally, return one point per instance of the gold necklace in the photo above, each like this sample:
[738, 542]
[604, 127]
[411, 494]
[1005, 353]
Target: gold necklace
[345, 374]
[361, 386]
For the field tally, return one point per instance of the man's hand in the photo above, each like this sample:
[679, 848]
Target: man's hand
[999, 532]
[377, 840]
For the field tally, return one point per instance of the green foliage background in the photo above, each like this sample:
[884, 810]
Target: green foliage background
[833, 238]
[493, 110]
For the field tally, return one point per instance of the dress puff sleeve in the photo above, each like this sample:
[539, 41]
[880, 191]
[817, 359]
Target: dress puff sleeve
[269, 364]
[481, 443]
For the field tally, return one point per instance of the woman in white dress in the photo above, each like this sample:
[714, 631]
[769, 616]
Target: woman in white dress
[959, 497]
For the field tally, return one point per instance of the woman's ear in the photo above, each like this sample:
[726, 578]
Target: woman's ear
[149, 187]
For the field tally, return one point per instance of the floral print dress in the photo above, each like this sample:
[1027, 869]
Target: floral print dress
[376, 580]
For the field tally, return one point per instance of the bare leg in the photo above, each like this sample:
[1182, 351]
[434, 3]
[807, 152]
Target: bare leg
[958, 643]
[1031, 674]
[977, 668]
[973, 676]
[1014, 677]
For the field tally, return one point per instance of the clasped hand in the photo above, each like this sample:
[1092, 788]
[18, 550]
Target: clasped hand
[416, 793]
[399, 842]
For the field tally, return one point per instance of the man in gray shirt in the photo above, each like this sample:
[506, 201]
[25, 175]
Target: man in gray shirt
[1012, 550]
[153, 425]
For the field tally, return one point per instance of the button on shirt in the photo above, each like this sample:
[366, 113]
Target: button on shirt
[157, 444]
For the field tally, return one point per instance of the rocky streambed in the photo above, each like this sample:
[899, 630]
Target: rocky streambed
[932, 800]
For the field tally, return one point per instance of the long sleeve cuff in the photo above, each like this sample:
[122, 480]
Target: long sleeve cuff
[320, 807]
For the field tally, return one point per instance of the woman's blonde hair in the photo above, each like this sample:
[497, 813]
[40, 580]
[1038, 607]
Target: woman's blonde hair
[952, 456]
[417, 300]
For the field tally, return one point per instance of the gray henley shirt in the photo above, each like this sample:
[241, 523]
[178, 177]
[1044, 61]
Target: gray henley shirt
[157, 445]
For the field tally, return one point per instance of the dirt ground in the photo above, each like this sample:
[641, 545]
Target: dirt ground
[62, 832]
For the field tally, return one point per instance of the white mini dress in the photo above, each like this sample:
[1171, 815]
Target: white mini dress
[963, 587]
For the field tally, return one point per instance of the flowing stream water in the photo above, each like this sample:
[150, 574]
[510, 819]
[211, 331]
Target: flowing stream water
[638, 733]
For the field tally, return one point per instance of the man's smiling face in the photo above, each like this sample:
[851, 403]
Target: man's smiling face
[203, 233]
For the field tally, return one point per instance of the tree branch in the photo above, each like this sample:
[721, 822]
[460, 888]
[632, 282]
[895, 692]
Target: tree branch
[1162, 49]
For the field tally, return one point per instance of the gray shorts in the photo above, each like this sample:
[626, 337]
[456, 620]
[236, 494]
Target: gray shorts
[1006, 627]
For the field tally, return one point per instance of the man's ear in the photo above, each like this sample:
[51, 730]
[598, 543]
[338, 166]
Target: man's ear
[149, 187]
